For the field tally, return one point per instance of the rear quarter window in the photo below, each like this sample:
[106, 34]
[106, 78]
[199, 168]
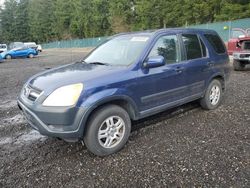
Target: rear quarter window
[216, 43]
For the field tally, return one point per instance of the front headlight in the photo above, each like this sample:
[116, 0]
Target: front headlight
[64, 96]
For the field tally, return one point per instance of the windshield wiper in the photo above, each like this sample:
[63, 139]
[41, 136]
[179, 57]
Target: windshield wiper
[83, 61]
[99, 63]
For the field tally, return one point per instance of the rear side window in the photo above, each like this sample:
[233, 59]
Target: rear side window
[193, 46]
[216, 43]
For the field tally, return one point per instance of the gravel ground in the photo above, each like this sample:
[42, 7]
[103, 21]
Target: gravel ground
[182, 147]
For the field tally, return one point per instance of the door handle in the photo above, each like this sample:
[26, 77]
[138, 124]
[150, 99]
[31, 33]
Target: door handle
[210, 63]
[179, 69]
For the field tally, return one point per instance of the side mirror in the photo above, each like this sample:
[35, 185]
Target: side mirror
[155, 61]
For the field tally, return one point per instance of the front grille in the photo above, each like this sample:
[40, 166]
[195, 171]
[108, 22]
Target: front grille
[31, 93]
[244, 55]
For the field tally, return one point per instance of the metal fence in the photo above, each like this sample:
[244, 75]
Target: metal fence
[76, 43]
[223, 28]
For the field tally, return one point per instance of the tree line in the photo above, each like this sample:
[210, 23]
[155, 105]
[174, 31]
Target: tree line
[50, 20]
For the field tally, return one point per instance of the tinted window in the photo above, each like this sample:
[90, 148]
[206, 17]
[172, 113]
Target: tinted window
[166, 46]
[216, 43]
[246, 45]
[192, 46]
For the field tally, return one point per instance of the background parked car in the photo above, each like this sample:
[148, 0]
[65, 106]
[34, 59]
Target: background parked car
[3, 48]
[39, 48]
[34, 46]
[15, 45]
[19, 52]
[31, 45]
[242, 58]
[237, 38]
[1, 59]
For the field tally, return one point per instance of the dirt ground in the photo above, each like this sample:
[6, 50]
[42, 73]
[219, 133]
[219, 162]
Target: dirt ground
[182, 147]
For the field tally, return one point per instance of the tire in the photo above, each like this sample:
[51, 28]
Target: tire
[213, 95]
[31, 56]
[98, 133]
[238, 66]
[8, 56]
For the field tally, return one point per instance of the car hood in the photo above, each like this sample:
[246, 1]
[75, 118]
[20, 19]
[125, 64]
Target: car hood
[71, 74]
[244, 39]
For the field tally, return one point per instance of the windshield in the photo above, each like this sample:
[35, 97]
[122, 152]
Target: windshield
[246, 45]
[122, 50]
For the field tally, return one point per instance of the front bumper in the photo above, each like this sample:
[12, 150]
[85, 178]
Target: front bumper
[242, 57]
[64, 123]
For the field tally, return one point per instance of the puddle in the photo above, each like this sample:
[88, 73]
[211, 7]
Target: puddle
[23, 139]
[30, 137]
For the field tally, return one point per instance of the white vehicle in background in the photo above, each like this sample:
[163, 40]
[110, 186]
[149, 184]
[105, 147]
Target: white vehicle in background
[34, 46]
[3, 48]
[39, 48]
[30, 45]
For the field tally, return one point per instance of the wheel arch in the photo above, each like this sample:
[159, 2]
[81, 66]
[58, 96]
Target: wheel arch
[5, 57]
[219, 77]
[124, 102]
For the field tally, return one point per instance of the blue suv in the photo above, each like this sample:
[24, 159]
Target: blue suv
[129, 77]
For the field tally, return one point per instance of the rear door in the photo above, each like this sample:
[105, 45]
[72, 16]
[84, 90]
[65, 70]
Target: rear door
[198, 64]
[218, 54]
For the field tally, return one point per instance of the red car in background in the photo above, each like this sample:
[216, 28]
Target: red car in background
[237, 38]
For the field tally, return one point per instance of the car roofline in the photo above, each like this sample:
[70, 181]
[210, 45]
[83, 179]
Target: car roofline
[159, 31]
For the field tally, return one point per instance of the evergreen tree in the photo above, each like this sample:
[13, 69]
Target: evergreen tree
[49, 20]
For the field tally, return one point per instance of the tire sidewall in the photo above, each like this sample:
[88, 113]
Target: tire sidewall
[91, 136]
[8, 56]
[207, 95]
[31, 56]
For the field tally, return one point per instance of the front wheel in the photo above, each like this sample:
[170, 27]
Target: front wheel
[31, 55]
[213, 96]
[108, 130]
[8, 56]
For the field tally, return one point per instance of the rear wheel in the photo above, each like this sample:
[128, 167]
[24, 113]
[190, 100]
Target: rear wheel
[8, 56]
[108, 130]
[213, 96]
[238, 66]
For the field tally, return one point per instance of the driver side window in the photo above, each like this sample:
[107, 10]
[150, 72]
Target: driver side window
[166, 46]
